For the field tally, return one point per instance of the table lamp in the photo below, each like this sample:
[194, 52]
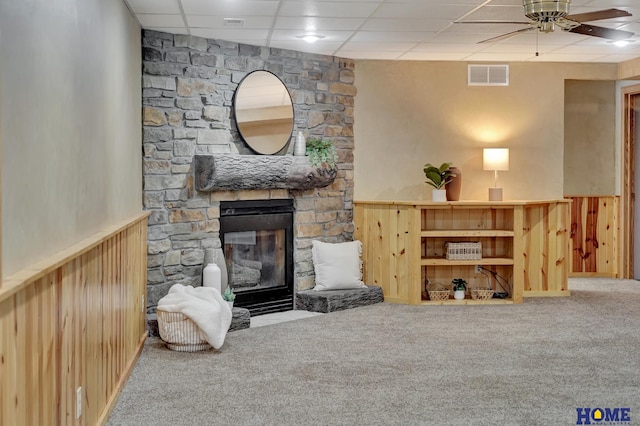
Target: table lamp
[495, 159]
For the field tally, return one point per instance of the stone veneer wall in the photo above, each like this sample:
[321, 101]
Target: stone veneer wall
[188, 85]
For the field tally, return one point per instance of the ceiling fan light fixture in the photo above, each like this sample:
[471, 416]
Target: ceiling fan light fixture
[546, 9]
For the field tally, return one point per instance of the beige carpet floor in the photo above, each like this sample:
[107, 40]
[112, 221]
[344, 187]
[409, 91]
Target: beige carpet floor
[385, 364]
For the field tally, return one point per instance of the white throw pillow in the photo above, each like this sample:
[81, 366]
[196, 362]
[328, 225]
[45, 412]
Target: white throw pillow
[337, 265]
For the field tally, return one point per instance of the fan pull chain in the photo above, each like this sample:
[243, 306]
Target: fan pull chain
[537, 35]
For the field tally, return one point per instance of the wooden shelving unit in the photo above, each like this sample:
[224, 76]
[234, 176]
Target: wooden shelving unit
[524, 243]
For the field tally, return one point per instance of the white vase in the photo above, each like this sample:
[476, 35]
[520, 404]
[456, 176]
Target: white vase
[230, 303]
[300, 146]
[211, 276]
[458, 294]
[218, 259]
[439, 195]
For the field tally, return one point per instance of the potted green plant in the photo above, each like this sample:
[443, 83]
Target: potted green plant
[229, 296]
[459, 288]
[321, 153]
[438, 178]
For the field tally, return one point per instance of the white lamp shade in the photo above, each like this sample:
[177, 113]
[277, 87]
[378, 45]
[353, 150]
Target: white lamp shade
[495, 159]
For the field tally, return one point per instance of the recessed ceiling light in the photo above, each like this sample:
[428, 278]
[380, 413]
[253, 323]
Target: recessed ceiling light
[621, 43]
[311, 38]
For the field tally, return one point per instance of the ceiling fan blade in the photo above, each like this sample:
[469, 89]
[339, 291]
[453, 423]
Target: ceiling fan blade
[493, 22]
[610, 33]
[598, 14]
[507, 35]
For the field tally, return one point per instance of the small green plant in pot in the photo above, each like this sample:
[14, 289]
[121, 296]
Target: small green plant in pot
[438, 178]
[229, 296]
[321, 153]
[459, 288]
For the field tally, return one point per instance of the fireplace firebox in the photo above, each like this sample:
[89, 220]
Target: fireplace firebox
[257, 241]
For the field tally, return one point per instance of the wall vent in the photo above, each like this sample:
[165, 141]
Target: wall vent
[487, 75]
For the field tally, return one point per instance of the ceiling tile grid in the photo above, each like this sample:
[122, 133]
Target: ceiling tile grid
[432, 30]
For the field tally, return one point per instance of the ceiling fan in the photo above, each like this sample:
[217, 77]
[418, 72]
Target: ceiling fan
[546, 15]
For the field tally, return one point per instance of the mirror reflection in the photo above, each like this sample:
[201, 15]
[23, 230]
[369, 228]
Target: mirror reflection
[264, 112]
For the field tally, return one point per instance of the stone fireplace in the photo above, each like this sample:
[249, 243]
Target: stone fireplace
[188, 86]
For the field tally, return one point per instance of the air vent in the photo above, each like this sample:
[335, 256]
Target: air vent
[233, 22]
[488, 75]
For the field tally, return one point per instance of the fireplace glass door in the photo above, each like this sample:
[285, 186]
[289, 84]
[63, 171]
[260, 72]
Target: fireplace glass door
[257, 243]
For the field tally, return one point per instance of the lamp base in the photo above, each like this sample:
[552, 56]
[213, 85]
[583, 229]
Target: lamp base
[495, 194]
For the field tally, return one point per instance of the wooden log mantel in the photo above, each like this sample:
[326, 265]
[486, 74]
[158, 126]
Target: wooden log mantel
[242, 172]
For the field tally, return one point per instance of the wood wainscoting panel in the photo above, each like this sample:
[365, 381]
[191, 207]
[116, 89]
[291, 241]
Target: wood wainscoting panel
[546, 245]
[390, 243]
[77, 323]
[594, 236]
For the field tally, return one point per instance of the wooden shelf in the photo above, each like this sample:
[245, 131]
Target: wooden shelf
[404, 246]
[488, 261]
[468, 302]
[455, 233]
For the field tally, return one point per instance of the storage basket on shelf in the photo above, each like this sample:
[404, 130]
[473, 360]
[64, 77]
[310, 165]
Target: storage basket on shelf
[481, 293]
[180, 333]
[438, 291]
[467, 250]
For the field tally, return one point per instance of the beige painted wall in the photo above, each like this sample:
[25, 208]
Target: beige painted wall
[629, 70]
[590, 138]
[71, 138]
[410, 113]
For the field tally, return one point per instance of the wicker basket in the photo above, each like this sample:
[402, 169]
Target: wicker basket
[438, 295]
[463, 250]
[438, 291]
[180, 333]
[481, 293]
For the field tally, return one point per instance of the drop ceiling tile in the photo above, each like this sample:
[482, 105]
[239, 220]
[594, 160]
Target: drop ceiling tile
[382, 47]
[422, 9]
[615, 58]
[447, 48]
[405, 25]
[589, 50]
[321, 47]
[460, 38]
[317, 24]
[398, 36]
[327, 9]
[424, 24]
[516, 48]
[176, 30]
[368, 55]
[485, 28]
[235, 8]
[211, 21]
[149, 20]
[502, 57]
[498, 13]
[294, 34]
[434, 56]
[231, 34]
[567, 57]
[154, 6]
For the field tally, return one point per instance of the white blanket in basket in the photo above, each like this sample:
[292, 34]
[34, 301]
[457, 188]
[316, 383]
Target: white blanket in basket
[204, 306]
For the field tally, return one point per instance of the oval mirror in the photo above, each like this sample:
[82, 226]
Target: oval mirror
[264, 112]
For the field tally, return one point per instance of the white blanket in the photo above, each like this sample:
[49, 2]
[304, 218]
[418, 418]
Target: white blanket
[204, 306]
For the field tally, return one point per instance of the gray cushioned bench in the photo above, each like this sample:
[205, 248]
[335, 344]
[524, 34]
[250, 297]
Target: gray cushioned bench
[338, 300]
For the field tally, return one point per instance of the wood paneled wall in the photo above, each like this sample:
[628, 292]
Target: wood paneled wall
[545, 249]
[594, 236]
[75, 320]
